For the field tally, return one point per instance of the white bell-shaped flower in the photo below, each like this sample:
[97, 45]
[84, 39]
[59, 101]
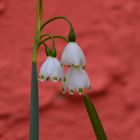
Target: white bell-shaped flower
[76, 80]
[51, 69]
[73, 55]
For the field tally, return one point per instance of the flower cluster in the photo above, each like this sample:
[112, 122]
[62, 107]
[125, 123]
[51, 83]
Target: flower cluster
[76, 79]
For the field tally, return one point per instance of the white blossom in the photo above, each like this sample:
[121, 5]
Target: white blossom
[73, 55]
[51, 69]
[76, 80]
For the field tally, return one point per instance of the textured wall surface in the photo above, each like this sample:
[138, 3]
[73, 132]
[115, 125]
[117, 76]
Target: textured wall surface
[109, 34]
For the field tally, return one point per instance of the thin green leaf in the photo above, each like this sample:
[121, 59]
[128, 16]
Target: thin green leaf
[94, 119]
[34, 116]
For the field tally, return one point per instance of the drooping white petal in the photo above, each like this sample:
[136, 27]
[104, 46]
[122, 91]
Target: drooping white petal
[76, 80]
[73, 55]
[51, 69]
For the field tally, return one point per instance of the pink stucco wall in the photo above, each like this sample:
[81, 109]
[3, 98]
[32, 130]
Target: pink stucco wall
[108, 31]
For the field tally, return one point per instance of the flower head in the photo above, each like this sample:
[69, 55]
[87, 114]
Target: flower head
[73, 55]
[51, 69]
[76, 80]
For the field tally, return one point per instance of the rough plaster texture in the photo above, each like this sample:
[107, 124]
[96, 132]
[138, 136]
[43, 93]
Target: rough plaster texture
[109, 34]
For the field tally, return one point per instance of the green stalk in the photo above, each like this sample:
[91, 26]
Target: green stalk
[94, 119]
[54, 36]
[51, 37]
[48, 38]
[41, 10]
[34, 109]
[71, 36]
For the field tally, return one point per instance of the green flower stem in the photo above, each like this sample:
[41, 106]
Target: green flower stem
[94, 119]
[52, 38]
[58, 36]
[71, 36]
[34, 109]
[45, 45]
[41, 10]
[48, 38]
